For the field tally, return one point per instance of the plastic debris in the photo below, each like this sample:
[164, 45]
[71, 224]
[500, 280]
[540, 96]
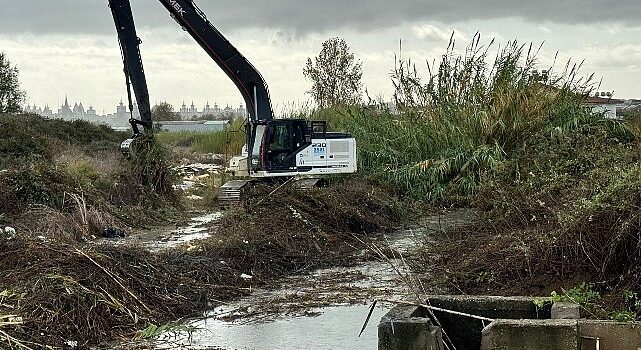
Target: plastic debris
[9, 232]
[113, 233]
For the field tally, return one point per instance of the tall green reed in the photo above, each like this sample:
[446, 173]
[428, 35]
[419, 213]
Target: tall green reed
[463, 117]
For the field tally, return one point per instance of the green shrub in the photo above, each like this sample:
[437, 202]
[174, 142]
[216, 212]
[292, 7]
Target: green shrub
[227, 141]
[44, 164]
[150, 167]
[34, 184]
[31, 137]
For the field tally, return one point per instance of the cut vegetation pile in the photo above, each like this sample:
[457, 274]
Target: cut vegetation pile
[85, 294]
[59, 286]
[69, 178]
[68, 291]
[310, 228]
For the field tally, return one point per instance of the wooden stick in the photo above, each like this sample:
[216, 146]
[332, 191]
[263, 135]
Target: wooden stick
[13, 341]
[114, 278]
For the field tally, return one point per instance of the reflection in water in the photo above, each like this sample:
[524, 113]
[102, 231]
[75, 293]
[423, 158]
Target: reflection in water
[280, 319]
[194, 231]
[336, 328]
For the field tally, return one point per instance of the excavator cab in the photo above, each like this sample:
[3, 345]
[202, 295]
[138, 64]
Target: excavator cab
[276, 144]
[292, 147]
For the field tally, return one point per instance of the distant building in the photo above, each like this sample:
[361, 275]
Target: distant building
[79, 111]
[188, 112]
[121, 117]
[121, 111]
[192, 112]
[136, 111]
[194, 126]
[65, 111]
[32, 109]
[211, 111]
[91, 113]
[47, 112]
[603, 103]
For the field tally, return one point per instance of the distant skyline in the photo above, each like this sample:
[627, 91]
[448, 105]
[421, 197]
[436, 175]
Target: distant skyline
[87, 104]
[70, 47]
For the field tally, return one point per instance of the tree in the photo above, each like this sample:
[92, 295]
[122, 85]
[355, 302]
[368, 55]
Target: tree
[164, 112]
[11, 97]
[335, 75]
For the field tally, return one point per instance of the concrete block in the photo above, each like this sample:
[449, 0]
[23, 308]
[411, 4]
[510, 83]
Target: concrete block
[531, 335]
[403, 329]
[609, 335]
[465, 332]
[565, 311]
[492, 306]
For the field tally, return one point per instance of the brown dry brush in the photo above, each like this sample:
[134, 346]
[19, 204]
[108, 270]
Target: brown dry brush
[565, 209]
[47, 200]
[293, 230]
[92, 293]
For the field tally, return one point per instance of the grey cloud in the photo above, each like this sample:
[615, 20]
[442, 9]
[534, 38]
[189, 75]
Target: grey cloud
[308, 16]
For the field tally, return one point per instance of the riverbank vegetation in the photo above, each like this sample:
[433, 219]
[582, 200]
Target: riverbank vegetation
[556, 188]
[64, 172]
[229, 141]
[65, 185]
[464, 119]
[555, 185]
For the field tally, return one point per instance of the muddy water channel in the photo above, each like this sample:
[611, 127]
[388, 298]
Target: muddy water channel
[325, 309]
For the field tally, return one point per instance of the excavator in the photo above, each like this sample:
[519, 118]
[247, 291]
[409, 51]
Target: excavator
[274, 148]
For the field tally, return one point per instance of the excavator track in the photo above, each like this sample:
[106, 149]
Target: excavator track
[231, 192]
[236, 191]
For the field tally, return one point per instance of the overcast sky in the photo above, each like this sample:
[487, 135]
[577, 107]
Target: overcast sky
[70, 47]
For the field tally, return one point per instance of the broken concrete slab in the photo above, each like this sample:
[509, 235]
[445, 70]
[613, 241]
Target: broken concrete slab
[565, 311]
[404, 328]
[514, 326]
[531, 335]
[606, 335]
[465, 332]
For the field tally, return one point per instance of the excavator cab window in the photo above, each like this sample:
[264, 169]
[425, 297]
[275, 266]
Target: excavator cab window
[283, 141]
[279, 140]
[319, 129]
[258, 140]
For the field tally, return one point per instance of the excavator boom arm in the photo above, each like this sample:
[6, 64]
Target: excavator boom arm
[133, 67]
[247, 79]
